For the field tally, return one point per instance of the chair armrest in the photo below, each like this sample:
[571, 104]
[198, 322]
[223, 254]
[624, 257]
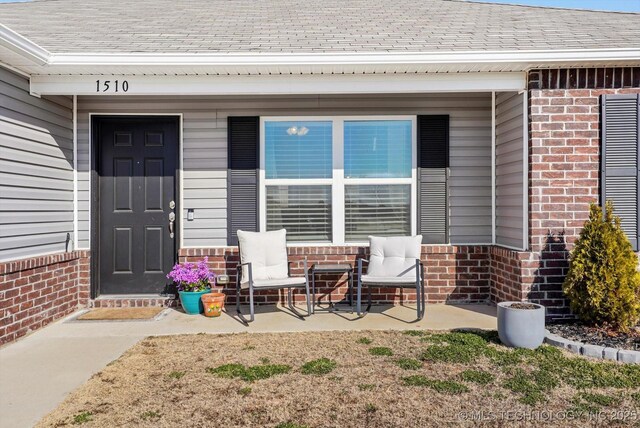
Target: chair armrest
[304, 266]
[239, 270]
[239, 266]
[360, 261]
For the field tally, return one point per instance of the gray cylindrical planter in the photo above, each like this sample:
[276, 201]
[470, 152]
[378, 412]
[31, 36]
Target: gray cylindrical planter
[521, 328]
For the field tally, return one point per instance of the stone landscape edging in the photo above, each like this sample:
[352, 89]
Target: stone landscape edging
[593, 351]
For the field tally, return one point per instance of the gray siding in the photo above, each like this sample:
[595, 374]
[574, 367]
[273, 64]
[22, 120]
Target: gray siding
[205, 152]
[36, 170]
[509, 169]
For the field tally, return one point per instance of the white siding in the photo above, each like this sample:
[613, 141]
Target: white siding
[205, 150]
[510, 142]
[36, 170]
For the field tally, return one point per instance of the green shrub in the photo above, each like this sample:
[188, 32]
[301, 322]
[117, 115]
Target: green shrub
[603, 284]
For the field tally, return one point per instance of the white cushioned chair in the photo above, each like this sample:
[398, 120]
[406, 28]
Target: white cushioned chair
[264, 265]
[394, 262]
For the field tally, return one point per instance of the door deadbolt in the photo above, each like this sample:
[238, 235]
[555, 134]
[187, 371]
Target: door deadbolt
[172, 204]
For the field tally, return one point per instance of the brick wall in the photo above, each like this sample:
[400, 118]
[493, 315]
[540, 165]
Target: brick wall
[453, 274]
[506, 274]
[564, 149]
[39, 290]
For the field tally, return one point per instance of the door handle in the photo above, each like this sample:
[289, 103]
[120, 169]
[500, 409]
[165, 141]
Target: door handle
[172, 218]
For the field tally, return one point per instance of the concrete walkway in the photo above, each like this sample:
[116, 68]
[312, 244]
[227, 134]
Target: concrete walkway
[37, 372]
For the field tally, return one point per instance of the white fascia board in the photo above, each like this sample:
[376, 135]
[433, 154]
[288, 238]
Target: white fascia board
[280, 84]
[23, 46]
[348, 58]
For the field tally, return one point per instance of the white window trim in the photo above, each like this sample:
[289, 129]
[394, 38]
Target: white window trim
[338, 181]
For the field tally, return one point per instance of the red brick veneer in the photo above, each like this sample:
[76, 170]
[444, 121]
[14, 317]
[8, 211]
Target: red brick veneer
[39, 290]
[564, 156]
[452, 273]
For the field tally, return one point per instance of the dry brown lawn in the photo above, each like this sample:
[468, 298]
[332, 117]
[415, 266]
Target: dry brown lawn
[164, 382]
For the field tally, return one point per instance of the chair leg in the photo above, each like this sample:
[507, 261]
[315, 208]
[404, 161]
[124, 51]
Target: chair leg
[310, 309]
[238, 298]
[359, 298]
[359, 292]
[238, 311]
[418, 301]
[424, 292]
[350, 285]
[291, 304]
[313, 290]
[252, 315]
[359, 310]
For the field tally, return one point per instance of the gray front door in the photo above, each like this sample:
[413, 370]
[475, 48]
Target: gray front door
[136, 165]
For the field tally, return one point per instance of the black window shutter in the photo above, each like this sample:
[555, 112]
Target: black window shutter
[433, 165]
[619, 162]
[242, 175]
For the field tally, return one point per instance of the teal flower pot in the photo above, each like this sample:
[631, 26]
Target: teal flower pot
[191, 302]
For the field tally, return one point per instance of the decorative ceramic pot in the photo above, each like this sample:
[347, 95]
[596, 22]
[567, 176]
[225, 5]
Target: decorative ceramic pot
[191, 301]
[521, 324]
[213, 304]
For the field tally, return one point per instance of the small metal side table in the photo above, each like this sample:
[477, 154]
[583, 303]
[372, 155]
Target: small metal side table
[341, 268]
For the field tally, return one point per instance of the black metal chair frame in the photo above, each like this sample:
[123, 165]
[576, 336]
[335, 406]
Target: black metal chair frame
[419, 286]
[278, 287]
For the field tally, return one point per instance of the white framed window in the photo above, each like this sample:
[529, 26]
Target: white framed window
[338, 179]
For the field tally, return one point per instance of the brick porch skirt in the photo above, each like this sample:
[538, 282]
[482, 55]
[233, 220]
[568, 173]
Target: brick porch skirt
[39, 290]
[453, 274]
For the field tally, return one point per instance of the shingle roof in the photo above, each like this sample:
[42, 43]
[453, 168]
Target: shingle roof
[245, 26]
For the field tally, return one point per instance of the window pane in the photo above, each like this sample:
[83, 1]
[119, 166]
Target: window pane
[381, 210]
[305, 211]
[298, 149]
[377, 148]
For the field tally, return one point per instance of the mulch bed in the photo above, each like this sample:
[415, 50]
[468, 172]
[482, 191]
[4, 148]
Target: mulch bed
[598, 335]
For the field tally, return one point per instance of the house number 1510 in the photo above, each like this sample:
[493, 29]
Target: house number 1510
[112, 86]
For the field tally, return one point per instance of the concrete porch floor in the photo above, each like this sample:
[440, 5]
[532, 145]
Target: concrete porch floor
[37, 372]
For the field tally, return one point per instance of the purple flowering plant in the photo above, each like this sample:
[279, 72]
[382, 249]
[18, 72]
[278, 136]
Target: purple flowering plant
[192, 276]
